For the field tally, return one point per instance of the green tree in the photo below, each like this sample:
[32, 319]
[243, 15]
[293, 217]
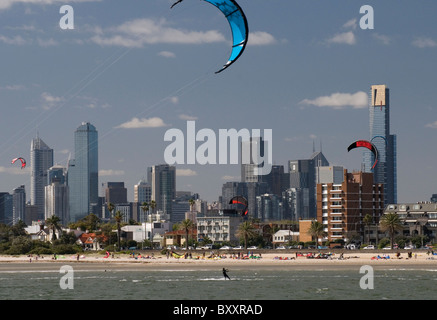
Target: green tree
[367, 220]
[152, 205]
[118, 219]
[192, 202]
[111, 208]
[390, 223]
[246, 230]
[316, 231]
[53, 223]
[186, 225]
[144, 208]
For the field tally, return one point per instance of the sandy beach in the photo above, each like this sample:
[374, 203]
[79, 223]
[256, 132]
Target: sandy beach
[288, 260]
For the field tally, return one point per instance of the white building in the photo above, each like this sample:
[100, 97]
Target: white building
[219, 228]
[56, 202]
[284, 236]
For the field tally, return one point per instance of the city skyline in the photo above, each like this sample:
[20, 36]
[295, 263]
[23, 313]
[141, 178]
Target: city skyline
[305, 74]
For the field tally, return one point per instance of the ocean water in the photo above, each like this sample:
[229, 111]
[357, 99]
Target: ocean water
[391, 284]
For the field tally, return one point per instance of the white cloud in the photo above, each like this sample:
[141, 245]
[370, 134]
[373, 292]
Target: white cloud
[352, 24]
[343, 38]
[17, 40]
[111, 172]
[50, 101]
[356, 100]
[432, 125]
[382, 38]
[187, 117]
[174, 100]
[261, 38]
[6, 4]
[46, 42]
[424, 42]
[185, 172]
[232, 178]
[13, 87]
[139, 32]
[136, 123]
[166, 54]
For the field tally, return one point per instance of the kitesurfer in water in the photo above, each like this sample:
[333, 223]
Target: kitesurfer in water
[225, 273]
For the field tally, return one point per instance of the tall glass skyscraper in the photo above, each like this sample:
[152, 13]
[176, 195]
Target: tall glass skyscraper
[82, 173]
[385, 170]
[41, 159]
[163, 180]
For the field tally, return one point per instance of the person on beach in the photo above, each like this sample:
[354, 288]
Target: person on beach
[225, 274]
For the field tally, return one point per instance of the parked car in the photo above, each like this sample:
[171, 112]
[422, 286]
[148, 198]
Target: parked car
[252, 248]
[225, 248]
[369, 247]
[239, 248]
[281, 248]
[409, 247]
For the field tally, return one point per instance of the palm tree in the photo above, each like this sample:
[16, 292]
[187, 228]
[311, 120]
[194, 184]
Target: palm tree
[247, 231]
[316, 230]
[367, 220]
[111, 208]
[118, 219]
[152, 205]
[53, 223]
[192, 202]
[144, 208]
[390, 222]
[186, 225]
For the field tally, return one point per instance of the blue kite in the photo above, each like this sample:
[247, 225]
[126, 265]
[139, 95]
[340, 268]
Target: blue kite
[238, 23]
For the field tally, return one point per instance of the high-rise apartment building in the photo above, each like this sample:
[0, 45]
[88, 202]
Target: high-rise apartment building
[385, 171]
[82, 173]
[41, 159]
[343, 202]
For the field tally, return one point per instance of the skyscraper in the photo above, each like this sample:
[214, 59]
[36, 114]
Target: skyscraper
[41, 159]
[56, 195]
[83, 173]
[18, 204]
[385, 171]
[163, 180]
[303, 179]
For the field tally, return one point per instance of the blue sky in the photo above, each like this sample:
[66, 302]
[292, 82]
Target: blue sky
[135, 69]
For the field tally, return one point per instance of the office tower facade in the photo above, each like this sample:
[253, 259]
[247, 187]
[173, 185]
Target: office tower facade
[41, 159]
[385, 170]
[343, 203]
[249, 190]
[57, 195]
[18, 204]
[82, 173]
[303, 179]
[56, 202]
[6, 210]
[163, 182]
[115, 192]
[255, 159]
[269, 207]
[142, 192]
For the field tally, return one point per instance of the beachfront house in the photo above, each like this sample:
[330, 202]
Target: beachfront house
[91, 241]
[178, 237]
[283, 237]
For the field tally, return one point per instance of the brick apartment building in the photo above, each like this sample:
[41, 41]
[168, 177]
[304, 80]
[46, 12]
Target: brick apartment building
[344, 199]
